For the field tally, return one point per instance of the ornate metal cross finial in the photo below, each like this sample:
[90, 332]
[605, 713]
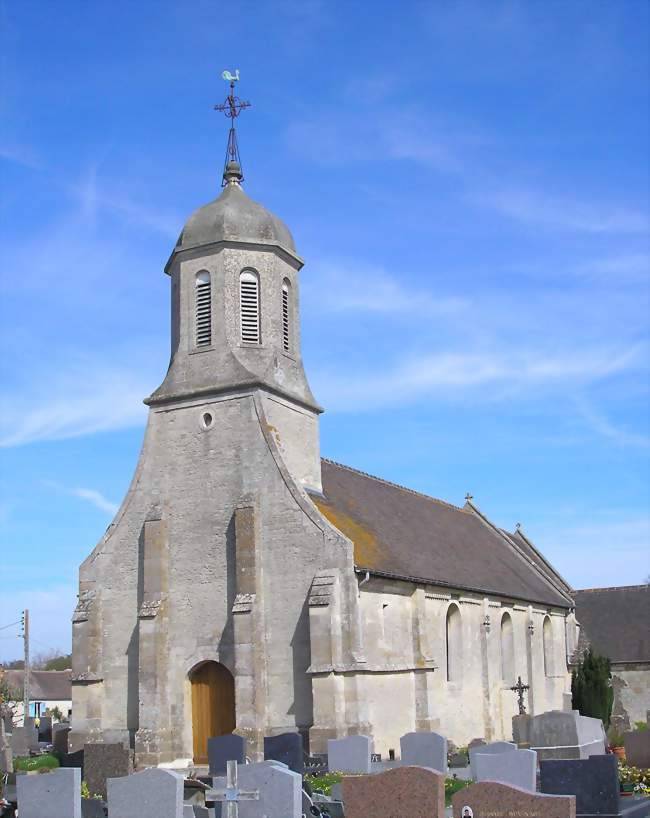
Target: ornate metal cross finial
[231, 795]
[232, 107]
[469, 496]
[519, 689]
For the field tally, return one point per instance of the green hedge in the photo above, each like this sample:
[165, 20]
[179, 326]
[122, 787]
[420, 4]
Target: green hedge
[29, 763]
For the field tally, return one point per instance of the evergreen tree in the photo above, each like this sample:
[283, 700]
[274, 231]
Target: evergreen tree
[591, 689]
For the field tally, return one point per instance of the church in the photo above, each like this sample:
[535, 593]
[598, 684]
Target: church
[246, 584]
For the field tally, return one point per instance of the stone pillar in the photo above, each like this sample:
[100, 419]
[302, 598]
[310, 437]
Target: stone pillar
[530, 660]
[153, 740]
[485, 629]
[248, 626]
[87, 674]
[424, 665]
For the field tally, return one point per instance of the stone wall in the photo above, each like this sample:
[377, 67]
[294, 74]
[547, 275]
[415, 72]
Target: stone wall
[631, 683]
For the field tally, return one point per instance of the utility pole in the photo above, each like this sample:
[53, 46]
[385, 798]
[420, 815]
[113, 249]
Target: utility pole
[27, 667]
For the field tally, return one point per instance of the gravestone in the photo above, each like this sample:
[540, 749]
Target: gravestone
[45, 729]
[197, 811]
[424, 750]
[75, 759]
[489, 749]
[93, 808]
[287, 747]
[222, 749]
[637, 748]
[561, 735]
[594, 781]
[60, 740]
[405, 792]
[279, 791]
[518, 769]
[489, 798]
[24, 739]
[56, 794]
[349, 755]
[154, 793]
[104, 761]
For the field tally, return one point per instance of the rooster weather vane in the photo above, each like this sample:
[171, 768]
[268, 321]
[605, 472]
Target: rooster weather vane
[232, 107]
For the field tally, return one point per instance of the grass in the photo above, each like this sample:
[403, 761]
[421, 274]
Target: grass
[323, 783]
[30, 763]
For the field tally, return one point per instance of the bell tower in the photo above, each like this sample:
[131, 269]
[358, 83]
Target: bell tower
[235, 322]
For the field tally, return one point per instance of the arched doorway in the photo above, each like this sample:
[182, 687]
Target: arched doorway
[213, 706]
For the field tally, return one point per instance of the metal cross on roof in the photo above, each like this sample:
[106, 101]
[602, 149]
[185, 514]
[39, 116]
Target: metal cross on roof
[232, 107]
[519, 689]
[231, 795]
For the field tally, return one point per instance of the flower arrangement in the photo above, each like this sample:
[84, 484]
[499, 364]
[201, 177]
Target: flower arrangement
[634, 779]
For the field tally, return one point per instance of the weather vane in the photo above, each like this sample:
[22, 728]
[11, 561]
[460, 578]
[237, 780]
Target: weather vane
[232, 107]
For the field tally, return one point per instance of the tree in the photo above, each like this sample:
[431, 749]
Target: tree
[9, 696]
[63, 662]
[591, 689]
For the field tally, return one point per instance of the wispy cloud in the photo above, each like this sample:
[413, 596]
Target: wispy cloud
[628, 267]
[20, 155]
[344, 287]
[500, 374]
[538, 208]
[83, 400]
[602, 426]
[96, 498]
[94, 196]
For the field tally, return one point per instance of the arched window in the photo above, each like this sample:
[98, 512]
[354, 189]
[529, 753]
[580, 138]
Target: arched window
[547, 636]
[454, 636]
[286, 317]
[249, 306]
[507, 649]
[203, 309]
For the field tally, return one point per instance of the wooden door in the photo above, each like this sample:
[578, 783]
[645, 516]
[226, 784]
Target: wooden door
[213, 706]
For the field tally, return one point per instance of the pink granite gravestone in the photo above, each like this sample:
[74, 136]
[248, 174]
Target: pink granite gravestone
[404, 792]
[495, 800]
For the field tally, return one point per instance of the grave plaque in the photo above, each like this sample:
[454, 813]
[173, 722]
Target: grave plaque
[56, 794]
[518, 769]
[404, 792]
[489, 798]
[637, 748]
[594, 781]
[104, 761]
[424, 750]
[349, 755]
[153, 793]
[286, 748]
[488, 749]
[222, 749]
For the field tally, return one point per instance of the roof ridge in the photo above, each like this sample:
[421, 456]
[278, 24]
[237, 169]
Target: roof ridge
[644, 585]
[393, 485]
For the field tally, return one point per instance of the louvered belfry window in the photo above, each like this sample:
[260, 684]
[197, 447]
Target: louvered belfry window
[249, 303]
[203, 309]
[286, 338]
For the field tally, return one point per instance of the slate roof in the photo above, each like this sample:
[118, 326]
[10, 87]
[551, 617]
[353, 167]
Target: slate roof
[616, 621]
[402, 533]
[45, 685]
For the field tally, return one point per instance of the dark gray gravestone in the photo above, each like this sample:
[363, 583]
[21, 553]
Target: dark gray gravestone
[637, 748]
[287, 748]
[593, 781]
[45, 729]
[60, 740]
[73, 760]
[104, 761]
[225, 748]
[93, 808]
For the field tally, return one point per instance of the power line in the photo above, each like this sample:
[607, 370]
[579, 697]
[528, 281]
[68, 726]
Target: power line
[4, 627]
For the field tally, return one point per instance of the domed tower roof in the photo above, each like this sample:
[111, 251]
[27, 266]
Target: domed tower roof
[233, 216]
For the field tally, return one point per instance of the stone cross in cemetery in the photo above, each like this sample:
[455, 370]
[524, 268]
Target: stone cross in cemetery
[231, 795]
[519, 689]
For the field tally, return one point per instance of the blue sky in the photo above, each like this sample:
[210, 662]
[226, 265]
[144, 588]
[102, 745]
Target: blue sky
[468, 184]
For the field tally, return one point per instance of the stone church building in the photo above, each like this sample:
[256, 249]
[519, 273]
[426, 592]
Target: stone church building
[247, 584]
